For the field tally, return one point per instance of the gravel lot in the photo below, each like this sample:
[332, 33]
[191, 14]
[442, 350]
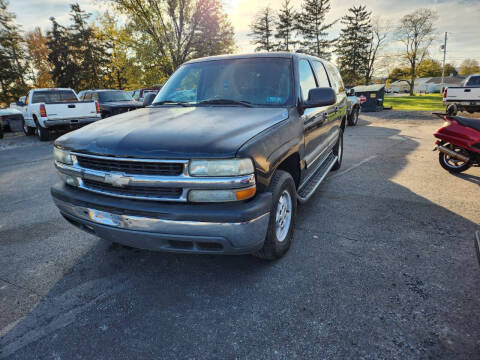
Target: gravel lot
[382, 266]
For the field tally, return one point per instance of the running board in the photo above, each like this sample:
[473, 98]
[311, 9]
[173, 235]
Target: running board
[307, 189]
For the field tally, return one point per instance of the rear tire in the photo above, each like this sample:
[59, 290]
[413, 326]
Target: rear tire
[29, 131]
[42, 133]
[338, 151]
[282, 217]
[353, 118]
[447, 164]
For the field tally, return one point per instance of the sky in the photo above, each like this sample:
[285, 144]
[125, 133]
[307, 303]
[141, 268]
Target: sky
[460, 18]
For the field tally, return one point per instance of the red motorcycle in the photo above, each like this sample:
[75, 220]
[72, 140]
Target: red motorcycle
[459, 144]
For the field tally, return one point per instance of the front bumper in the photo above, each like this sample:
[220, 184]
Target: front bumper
[69, 123]
[233, 228]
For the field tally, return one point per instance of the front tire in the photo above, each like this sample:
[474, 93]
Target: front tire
[27, 129]
[282, 217]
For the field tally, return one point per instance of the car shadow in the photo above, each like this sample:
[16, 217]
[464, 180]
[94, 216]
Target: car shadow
[369, 275]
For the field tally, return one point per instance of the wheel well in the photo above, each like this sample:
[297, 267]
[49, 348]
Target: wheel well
[292, 165]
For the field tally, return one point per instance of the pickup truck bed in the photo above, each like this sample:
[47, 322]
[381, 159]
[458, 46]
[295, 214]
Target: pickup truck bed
[463, 98]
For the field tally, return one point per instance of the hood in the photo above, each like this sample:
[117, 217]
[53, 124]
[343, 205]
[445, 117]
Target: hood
[120, 104]
[173, 132]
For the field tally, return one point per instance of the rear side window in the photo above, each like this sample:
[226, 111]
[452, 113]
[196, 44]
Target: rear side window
[87, 96]
[53, 96]
[307, 80]
[322, 77]
[474, 81]
[335, 78]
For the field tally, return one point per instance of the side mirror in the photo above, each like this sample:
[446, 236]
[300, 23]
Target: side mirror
[148, 99]
[318, 97]
[19, 103]
[351, 92]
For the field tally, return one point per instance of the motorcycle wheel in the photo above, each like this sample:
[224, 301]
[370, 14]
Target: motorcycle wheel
[452, 164]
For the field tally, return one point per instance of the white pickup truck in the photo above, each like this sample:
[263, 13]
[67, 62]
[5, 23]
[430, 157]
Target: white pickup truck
[45, 110]
[463, 98]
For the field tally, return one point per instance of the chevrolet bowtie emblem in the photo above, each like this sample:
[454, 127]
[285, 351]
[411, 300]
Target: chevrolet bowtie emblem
[117, 180]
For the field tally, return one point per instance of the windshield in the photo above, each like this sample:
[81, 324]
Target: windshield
[256, 81]
[53, 96]
[111, 96]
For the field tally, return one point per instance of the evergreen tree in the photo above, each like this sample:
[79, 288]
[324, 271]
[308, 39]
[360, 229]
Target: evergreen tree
[88, 49]
[262, 30]
[13, 65]
[65, 65]
[352, 46]
[214, 34]
[313, 28]
[285, 27]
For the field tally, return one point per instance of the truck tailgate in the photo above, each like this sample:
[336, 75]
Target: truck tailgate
[463, 94]
[74, 110]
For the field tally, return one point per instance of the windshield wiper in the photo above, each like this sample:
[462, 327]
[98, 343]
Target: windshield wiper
[225, 102]
[170, 102]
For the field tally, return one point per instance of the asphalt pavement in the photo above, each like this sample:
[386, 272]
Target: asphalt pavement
[382, 267]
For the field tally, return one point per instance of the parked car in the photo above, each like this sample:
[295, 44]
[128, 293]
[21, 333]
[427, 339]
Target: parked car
[463, 98]
[139, 94]
[353, 107]
[112, 102]
[8, 117]
[55, 109]
[216, 164]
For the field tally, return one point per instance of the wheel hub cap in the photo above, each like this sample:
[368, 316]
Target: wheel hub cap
[283, 215]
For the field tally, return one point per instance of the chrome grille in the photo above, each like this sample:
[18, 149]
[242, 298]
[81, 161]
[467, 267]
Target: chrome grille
[137, 191]
[131, 167]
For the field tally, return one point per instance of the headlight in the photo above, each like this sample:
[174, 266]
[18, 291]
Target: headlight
[62, 156]
[230, 167]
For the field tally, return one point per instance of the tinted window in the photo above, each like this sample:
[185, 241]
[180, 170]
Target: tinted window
[335, 78]
[474, 81]
[322, 77]
[87, 96]
[307, 80]
[112, 96]
[259, 81]
[52, 96]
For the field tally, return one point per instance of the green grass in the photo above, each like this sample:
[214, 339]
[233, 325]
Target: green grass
[430, 102]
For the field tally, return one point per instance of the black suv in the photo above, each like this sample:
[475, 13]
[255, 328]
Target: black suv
[112, 102]
[216, 164]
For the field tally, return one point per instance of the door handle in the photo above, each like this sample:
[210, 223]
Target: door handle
[324, 116]
[71, 106]
[336, 108]
[468, 90]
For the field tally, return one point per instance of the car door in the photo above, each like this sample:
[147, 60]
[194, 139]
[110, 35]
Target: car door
[339, 111]
[313, 119]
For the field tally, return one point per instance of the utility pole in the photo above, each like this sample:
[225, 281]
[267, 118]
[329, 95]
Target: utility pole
[444, 47]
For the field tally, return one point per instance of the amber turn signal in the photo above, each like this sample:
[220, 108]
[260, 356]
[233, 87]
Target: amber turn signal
[245, 194]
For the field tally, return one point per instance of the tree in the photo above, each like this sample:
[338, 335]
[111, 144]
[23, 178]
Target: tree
[13, 65]
[451, 70]
[429, 68]
[352, 46]
[313, 28]
[176, 28]
[214, 34]
[468, 67]
[118, 41]
[285, 27]
[65, 66]
[261, 30]
[378, 36]
[89, 47]
[416, 32]
[38, 58]
[399, 73]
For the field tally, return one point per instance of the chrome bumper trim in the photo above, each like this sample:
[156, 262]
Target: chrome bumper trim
[242, 235]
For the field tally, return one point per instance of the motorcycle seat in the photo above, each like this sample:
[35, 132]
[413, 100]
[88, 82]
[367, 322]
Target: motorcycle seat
[468, 122]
